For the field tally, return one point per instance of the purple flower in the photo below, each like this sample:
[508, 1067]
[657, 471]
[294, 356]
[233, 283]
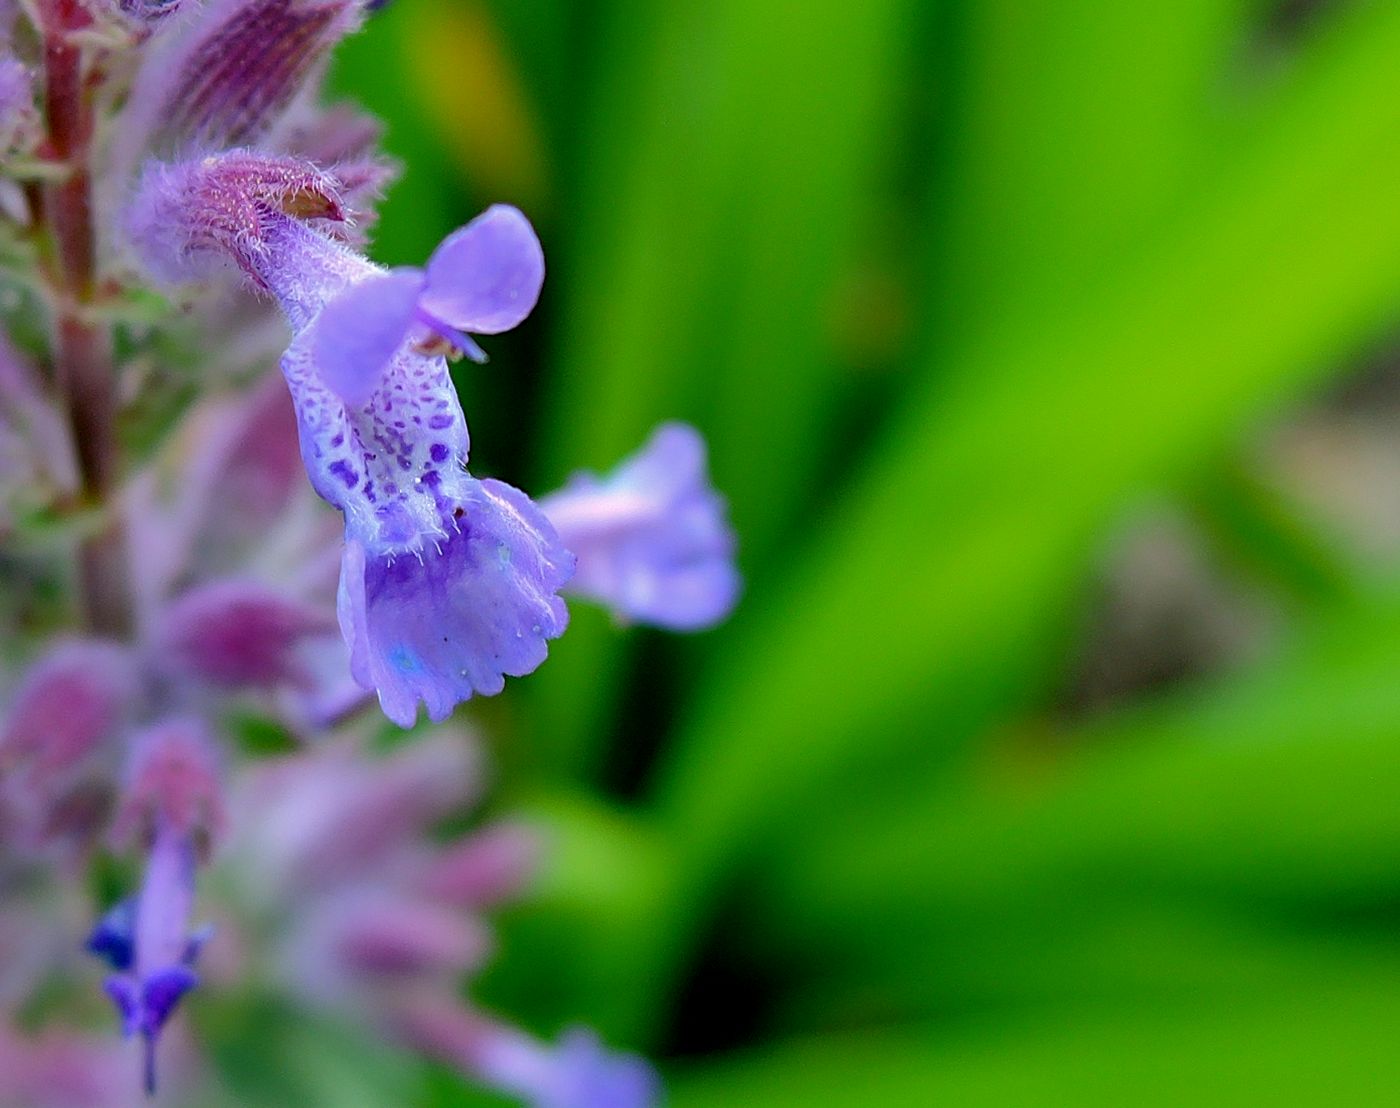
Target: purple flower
[156, 958]
[339, 846]
[483, 279]
[458, 621]
[191, 218]
[577, 1072]
[173, 798]
[70, 705]
[487, 867]
[448, 584]
[651, 538]
[228, 75]
[235, 633]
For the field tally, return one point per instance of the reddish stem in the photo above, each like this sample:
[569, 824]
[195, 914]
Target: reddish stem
[82, 348]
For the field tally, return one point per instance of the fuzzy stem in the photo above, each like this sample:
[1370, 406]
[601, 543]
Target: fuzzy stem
[82, 348]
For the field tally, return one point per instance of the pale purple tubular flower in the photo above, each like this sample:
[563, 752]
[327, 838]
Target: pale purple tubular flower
[485, 868]
[71, 703]
[448, 584]
[386, 942]
[577, 1072]
[332, 816]
[651, 537]
[190, 219]
[343, 839]
[245, 485]
[174, 801]
[234, 633]
[227, 76]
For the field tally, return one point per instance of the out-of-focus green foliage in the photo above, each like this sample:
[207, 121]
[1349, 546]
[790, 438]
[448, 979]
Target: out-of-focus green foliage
[952, 289]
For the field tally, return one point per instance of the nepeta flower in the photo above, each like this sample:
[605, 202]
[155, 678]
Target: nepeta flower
[651, 537]
[577, 1072]
[72, 702]
[173, 800]
[333, 846]
[239, 633]
[448, 584]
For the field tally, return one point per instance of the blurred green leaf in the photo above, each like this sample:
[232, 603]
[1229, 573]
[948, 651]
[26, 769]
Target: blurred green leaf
[419, 208]
[270, 1055]
[930, 587]
[1143, 947]
[573, 935]
[1263, 532]
[733, 152]
[1078, 127]
[1277, 792]
[1324, 1046]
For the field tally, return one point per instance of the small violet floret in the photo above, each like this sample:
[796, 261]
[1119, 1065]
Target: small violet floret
[577, 1072]
[173, 802]
[651, 538]
[147, 941]
[448, 584]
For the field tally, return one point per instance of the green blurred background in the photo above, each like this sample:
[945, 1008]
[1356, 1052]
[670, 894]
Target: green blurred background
[1048, 354]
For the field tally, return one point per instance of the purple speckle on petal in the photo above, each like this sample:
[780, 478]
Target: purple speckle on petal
[345, 473]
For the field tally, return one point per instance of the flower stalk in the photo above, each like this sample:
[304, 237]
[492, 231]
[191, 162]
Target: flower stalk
[83, 370]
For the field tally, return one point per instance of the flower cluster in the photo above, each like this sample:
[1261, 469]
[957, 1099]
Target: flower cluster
[182, 147]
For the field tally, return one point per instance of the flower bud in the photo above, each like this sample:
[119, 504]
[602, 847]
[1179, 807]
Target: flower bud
[235, 634]
[172, 782]
[485, 868]
[190, 217]
[227, 77]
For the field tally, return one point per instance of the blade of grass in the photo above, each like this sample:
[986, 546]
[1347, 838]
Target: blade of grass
[726, 178]
[1278, 788]
[1324, 1047]
[1048, 430]
[1080, 126]
[1048, 427]
[1124, 955]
